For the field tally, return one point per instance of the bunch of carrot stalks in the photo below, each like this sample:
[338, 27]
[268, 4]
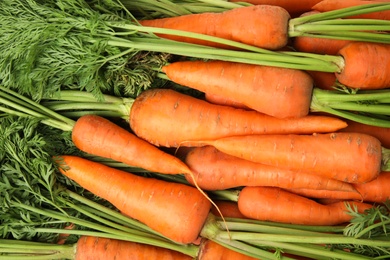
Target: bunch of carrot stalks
[272, 138]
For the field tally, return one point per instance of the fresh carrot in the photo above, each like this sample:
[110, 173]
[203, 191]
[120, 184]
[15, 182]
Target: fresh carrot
[99, 136]
[144, 199]
[370, 60]
[180, 119]
[229, 209]
[382, 133]
[319, 45]
[293, 7]
[349, 157]
[96, 248]
[218, 100]
[215, 170]
[330, 5]
[211, 250]
[254, 86]
[264, 26]
[323, 80]
[376, 190]
[278, 205]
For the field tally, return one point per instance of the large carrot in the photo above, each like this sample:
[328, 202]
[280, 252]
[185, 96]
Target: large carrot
[382, 133]
[376, 190]
[215, 170]
[257, 87]
[275, 204]
[349, 157]
[99, 248]
[99, 136]
[330, 5]
[293, 7]
[144, 199]
[260, 25]
[180, 119]
[367, 66]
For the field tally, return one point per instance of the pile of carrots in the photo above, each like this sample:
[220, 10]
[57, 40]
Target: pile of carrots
[286, 164]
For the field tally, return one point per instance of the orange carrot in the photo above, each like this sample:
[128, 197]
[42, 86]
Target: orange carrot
[229, 209]
[382, 133]
[376, 190]
[257, 87]
[349, 157]
[211, 250]
[98, 248]
[179, 119]
[218, 100]
[99, 136]
[215, 170]
[319, 45]
[323, 80]
[367, 66]
[275, 204]
[293, 7]
[264, 26]
[330, 5]
[143, 198]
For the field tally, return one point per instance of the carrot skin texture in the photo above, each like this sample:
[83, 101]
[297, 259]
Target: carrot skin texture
[349, 157]
[215, 170]
[99, 136]
[367, 65]
[180, 119]
[292, 7]
[330, 5]
[98, 248]
[275, 204]
[218, 100]
[288, 90]
[210, 250]
[376, 190]
[229, 209]
[323, 80]
[143, 198]
[382, 133]
[263, 26]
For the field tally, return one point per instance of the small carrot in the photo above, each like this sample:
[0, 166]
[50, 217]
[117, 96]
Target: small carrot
[215, 170]
[257, 87]
[349, 157]
[367, 66]
[229, 209]
[331, 5]
[259, 25]
[376, 190]
[99, 136]
[163, 125]
[99, 248]
[278, 205]
[141, 198]
[382, 133]
[292, 7]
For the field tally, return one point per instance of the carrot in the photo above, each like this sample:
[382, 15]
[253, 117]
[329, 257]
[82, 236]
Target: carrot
[211, 250]
[96, 248]
[264, 26]
[218, 100]
[319, 45]
[382, 133]
[367, 66]
[254, 86]
[376, 190]
[141, 198]
[293, 7]
[349, 157]
[99, 136]
[215, 170]
[323, 80]
[330, 5]
[180, 119]
[275, 204]
[229, 209]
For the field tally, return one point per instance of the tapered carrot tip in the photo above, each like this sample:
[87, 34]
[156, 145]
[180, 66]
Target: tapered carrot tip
[175, 210]
[264, 26]
[367, 65]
